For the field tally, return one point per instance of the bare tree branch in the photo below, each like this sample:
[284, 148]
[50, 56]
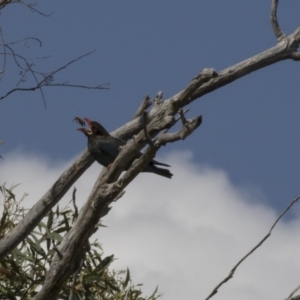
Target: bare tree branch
[103, 86]
[106, 189]
[109, 186]
[275, 54]
[31, 7]
[168, 108]
[146, 103]
[66, 65]
[281, 51]
[48, 78]
[187, 128]
[276, 28]
[290, 297]
[18, 42]
[215, 290]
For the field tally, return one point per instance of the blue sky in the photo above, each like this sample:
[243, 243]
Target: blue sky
[250, 127]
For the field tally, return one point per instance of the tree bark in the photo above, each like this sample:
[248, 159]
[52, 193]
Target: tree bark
[151, 128]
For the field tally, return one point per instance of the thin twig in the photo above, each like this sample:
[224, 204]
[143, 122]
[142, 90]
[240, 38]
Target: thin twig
[146, 103]
[185, 131]
[182, 117]
[276, 28]
[176, 120]
[66, 65]
[27, 69]
[46, 81]
[3, 3]
[96, 87]
[4, 55]
[26, 39]
[215, 290]
[74, 202]
[30, 6]
[16, 56]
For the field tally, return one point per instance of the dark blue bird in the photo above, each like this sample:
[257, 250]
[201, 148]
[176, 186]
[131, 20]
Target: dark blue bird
[105, 148]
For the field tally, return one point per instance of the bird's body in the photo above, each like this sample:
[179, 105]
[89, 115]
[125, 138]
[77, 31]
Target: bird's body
[105, 148]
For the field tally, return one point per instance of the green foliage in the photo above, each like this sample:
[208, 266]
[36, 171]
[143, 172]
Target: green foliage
[23, 271]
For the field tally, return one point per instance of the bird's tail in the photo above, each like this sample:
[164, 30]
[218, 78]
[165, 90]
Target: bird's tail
[159, 171]
[155, 162]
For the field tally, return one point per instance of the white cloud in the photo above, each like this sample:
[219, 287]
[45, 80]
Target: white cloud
[183, 234]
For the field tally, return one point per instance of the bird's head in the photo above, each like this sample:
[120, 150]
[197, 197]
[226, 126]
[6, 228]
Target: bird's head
[96, 128]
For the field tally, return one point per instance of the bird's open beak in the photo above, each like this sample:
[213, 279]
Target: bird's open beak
[85, 131]
[89, 122]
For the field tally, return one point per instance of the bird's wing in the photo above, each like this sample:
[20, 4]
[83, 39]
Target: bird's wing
[110, 145]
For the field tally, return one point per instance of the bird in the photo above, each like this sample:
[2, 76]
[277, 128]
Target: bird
[105, 148]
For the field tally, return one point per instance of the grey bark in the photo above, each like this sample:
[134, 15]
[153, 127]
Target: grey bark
[110, 185]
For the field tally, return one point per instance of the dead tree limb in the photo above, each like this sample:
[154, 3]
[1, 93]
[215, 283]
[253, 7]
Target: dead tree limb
[106, 189]
[109, 185]
[277, 31]
[285, 49]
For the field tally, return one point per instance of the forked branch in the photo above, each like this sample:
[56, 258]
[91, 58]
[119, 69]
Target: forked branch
[108, 186]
